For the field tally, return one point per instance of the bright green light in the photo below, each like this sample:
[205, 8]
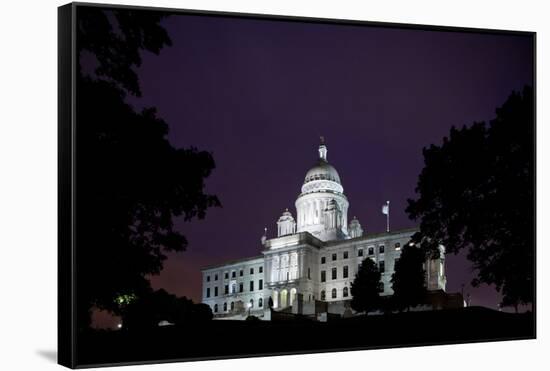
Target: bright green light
[125, 299]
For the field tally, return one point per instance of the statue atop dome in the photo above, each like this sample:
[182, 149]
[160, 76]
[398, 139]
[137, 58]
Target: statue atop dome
[322, 150]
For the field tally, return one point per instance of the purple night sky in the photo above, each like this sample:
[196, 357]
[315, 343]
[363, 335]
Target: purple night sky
[258, 94]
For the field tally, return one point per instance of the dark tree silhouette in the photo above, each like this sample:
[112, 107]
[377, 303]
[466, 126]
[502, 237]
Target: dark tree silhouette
[150, 309]
[131, 181]
[366, 287]
[116, 38]
[409, 278]
[476, 193]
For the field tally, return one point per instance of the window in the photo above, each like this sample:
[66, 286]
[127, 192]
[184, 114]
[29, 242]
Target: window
[333, 257]
[207, 278]
[216, 277]
[260, 284]
[208, 292]
[261, 269]
[233, 274]
[241, 273]
[226, 289]
[232, 306]
[251, 285]
[345, 292]
[233, 288]
[215, 308]
[251, 270]
[323, 260]
[334, 273]
[381, 266]
[323, 276]
[345, 254]
[395, 263]
[260, 302]
[360, 252]
[241, 289]
[371, 250]
[225, 307]
[308, 273]
[334, 293]
[346, 273]
[287, 276]
[216, 291]
[381, 249]
[226, 275]
[251, 303]
[323, 295]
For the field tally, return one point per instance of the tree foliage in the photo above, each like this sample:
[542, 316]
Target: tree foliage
[116, 38]
[476, 192]
[366, 287]
[131, 182]
[409, 278]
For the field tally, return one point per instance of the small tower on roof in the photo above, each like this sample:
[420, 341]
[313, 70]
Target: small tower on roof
[286, 224]
[354, 228]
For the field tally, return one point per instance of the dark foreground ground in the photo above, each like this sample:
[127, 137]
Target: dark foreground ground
[230, 339]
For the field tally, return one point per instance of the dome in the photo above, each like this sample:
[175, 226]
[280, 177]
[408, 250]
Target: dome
[322, 207]
[322, 171]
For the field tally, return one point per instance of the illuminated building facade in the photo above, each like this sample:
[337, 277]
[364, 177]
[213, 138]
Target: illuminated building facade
[309, 267]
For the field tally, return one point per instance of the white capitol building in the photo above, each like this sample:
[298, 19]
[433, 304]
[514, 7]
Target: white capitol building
[309, 267]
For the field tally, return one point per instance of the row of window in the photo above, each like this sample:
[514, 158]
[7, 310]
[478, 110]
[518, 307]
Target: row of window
[320, 177]
[234, 274]
[232, 305]
[334, 273]
[345, 271]
[334, 257]
[370, 251]
[234, 288]
[334, 293]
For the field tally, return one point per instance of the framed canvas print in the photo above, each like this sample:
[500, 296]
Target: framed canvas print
[236, 185]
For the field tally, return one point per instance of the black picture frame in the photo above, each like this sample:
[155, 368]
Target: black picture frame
[68, 196]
